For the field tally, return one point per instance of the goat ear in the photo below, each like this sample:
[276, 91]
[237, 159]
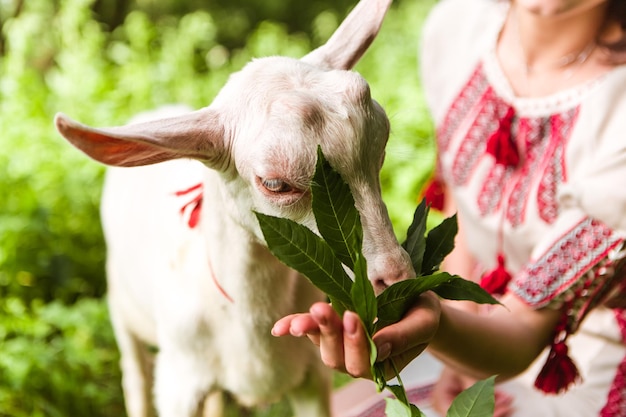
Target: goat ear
[198, 135]
[352, 38]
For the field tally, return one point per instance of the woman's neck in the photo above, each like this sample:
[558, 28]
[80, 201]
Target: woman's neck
[543, 54]
[544, 41]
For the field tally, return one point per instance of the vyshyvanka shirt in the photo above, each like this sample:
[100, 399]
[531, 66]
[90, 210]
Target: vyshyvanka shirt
[540, 186]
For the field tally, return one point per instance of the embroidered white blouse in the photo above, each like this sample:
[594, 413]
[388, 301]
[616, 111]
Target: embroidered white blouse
[559, 215]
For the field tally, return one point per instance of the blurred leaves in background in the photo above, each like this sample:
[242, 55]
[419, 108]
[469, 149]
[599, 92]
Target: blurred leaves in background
[57, 361]
[102, 61]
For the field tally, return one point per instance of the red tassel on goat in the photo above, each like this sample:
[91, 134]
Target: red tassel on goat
[501, 143]
[559, 372]
[194, 216]
[496, 281]
[195, 204]
[434, 194]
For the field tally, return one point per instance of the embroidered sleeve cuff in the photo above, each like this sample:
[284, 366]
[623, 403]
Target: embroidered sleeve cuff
[572, 268]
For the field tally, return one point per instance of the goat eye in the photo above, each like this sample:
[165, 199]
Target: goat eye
[276, 185]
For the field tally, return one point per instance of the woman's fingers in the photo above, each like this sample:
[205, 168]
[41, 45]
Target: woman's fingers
[295, 325]
[503, 404]
[448, 386]
[413, 332]
[343, 342]
[281, 327]
[330, 335]
[344, 345]
[356, 347]
[298, 325]
[322, 322]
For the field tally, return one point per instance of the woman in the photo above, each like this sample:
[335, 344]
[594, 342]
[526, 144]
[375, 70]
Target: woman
[528, 97]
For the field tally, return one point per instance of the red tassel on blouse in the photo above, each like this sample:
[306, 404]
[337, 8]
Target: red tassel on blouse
[434, 194]
[496, 281]
[501, 143]
[559, 372]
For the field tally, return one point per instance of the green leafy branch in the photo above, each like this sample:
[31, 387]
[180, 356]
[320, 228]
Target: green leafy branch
[323, 259]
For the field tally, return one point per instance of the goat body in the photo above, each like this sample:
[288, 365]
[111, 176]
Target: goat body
[206, 290]
[206, 296]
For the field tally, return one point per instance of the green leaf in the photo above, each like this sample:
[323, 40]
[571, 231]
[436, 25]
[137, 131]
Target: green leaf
[396, 408]
[322, 260]
[396, 299]
[439, 243]
[416, 412]
[301, 249]
[379, 376]
[363, 296]
[415, 243]
[399, 392]
[338, 220]
[338, 306]
[462, 289]
[377, 368]
[476, 401]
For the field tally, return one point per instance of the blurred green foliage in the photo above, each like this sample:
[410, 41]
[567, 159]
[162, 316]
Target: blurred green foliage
[53, 364]
[101, 61]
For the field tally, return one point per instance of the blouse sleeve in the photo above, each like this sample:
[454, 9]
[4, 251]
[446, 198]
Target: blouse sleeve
[454, 35]
[580, 261]
[584, 268]
[581, 269]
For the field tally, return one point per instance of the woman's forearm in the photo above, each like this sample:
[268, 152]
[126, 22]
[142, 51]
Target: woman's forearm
[503, 342]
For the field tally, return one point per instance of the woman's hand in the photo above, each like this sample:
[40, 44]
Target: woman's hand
[448, 386]
[451, 383]
[343, 343]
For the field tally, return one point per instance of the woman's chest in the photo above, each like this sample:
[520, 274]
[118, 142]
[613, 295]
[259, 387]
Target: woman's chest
[505, 169]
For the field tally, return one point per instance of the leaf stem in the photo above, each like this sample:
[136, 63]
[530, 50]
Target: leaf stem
[395, 371]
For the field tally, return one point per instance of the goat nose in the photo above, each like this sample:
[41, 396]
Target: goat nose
[390, 271]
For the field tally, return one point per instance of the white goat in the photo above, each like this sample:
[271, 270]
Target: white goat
[205, 289]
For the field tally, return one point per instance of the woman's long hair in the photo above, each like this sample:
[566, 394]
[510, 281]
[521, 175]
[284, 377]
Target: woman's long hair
[616, 12]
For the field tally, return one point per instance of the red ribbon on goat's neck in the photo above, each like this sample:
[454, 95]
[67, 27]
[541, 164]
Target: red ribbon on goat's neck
[195, 204]
[194, 218]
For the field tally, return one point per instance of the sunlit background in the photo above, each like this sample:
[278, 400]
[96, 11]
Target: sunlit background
[100, 62]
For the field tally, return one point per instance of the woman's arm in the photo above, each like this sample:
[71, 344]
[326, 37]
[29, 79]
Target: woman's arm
[484, 334]
[504, 342]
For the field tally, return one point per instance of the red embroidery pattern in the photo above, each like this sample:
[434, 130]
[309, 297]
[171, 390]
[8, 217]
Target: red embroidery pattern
[554, 173]
[568, 259]
[531, 134]
[486, 113]
[475, 88]
[490, 195]
[542, 142]
[616, 401]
